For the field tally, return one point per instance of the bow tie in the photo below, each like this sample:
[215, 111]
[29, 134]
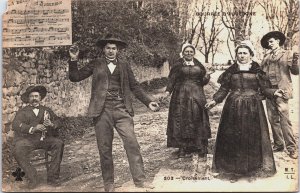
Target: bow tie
[32, 107]
[111, 61]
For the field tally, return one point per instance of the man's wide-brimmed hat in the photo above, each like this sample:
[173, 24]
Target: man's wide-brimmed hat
[41, 89]
[113, 40]
[273, 34]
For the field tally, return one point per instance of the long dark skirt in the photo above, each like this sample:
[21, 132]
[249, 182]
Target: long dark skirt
[243, 144]
[188, 121]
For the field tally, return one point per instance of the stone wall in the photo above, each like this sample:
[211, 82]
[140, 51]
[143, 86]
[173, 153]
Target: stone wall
[67, 99]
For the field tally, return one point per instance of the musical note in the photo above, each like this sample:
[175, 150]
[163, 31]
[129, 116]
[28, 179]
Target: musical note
[33, 21]
[37, 12]
[38, 23]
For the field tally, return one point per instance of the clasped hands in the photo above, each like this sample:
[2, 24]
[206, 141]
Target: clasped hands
[154, 106]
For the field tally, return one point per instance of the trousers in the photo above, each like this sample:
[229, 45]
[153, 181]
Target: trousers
[115, 115]
[24, 147]
[278, 115]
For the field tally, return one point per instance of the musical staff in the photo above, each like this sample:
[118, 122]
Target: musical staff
[37, 12]
[36, 39]
[35, 29]
[37, 23]
[34, 21]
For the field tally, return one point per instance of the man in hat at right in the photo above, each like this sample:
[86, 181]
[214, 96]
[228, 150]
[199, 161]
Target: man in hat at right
[279, 64]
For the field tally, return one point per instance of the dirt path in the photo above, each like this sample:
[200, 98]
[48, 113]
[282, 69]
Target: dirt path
[181, 175]
[80, 169]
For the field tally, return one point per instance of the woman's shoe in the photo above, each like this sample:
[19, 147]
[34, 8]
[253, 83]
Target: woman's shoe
[181, 153]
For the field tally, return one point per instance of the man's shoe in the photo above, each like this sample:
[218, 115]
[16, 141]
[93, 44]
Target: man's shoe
[144, 185]
[181, 153]
[293, 154]
[32, 185]
[53, 182]
[109, 188]
[278, 148]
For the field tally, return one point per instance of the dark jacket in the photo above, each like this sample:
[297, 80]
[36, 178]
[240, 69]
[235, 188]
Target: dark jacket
[25, 119]
[98, 69]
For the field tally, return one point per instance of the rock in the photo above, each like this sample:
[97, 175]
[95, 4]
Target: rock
[4, 104]
[6, 128]
[15, 91]
[55, 90]
[4, 138]
[12, 101]
[54, 77]
[4, 92]
[33, 79]
[15, 109]
[24, 74]
[20, 69]
[34, 71]
[7, 111]
[10, 134]
[11, 117]
[13, 78]
[26, 65]
[40, 68]
[47, 73]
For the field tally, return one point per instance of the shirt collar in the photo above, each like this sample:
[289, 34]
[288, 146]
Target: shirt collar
[274, 52]
[34, 107]
[108, 60]
[189, 63]
[247, 64]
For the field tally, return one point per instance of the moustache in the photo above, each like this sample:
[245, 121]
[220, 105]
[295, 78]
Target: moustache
[34, 101]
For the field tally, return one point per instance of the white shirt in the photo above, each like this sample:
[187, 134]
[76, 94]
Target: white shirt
[244, 67]
[36, 112]
[189, 63]
[111, 66]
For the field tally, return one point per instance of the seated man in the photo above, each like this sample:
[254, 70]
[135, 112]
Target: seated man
[34, 127]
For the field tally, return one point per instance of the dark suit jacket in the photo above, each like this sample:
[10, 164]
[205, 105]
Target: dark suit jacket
[25, 119]
[98, 69]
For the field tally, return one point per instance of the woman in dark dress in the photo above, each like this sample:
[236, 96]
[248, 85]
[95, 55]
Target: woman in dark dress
[188, 122]
[243, 146]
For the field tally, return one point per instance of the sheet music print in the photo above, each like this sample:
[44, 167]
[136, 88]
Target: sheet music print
[30, 23]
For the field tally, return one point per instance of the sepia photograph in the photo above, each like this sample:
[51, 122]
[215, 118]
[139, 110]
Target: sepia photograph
[150, 95]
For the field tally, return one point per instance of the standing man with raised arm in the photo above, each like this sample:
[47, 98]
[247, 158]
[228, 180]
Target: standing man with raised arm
[279, 65]
[111, 106]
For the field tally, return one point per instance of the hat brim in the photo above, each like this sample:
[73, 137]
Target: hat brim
[120, 44]
[277, 34]
[41, 89]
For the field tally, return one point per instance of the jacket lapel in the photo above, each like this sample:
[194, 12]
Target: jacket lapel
[122, 71]
[279, 55]
[101, 69]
